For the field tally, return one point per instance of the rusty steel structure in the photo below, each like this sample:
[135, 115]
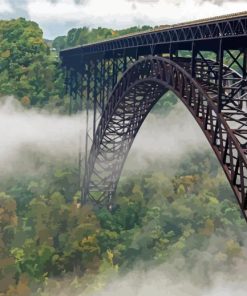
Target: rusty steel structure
[119, 81]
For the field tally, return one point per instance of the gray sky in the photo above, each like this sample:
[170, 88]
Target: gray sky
[56, 17]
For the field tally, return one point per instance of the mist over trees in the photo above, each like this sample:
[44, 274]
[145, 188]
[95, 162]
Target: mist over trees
[49, 240]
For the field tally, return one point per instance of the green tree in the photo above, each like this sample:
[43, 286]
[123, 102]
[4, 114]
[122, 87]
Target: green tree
[8, 223]
[27, 68]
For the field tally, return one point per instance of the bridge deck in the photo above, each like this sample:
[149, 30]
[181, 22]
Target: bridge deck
[227, 27]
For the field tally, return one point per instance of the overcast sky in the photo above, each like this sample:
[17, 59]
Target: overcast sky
[56, 17]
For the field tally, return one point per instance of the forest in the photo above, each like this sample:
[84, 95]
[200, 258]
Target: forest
[186, 216]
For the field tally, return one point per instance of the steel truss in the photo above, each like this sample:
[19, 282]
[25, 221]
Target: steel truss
[93, 81]
[133, 98]
[151, 42]
[119, 86]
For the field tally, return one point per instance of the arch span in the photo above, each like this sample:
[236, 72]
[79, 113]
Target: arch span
[142, 85]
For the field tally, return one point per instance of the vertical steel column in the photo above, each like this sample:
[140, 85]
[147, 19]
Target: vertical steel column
[87, 76]
[220, 60]
[94, 97]
[74, 90]
[70, 90]
[102, 89]
[79, 92]
[106, 81]
[82, 78]
[193, 59]
[170, 51]
[76, 86]
[245, 63]
[97, 92]
[124, 62]
[66, 79]
[114, 70]
[244, 82]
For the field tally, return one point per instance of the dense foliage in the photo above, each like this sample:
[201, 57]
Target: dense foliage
[28, 69]
[46, 234]
[49, 235]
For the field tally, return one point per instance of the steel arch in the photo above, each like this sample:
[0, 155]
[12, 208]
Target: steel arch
[133, 97]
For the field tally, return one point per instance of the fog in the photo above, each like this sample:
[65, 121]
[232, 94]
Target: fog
[28, 134]
[166, 139]
[159, 282]
[207, 276]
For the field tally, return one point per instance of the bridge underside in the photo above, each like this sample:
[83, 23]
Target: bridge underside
[118, 87]
[133, 98]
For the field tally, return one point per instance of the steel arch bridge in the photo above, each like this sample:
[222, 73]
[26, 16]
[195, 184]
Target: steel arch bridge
[119, 81]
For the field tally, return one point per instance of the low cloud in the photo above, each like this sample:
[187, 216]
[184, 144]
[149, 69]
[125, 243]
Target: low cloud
[163, 281]
[167, 138]
[199, 273]
[28, 135]
[24, 133]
